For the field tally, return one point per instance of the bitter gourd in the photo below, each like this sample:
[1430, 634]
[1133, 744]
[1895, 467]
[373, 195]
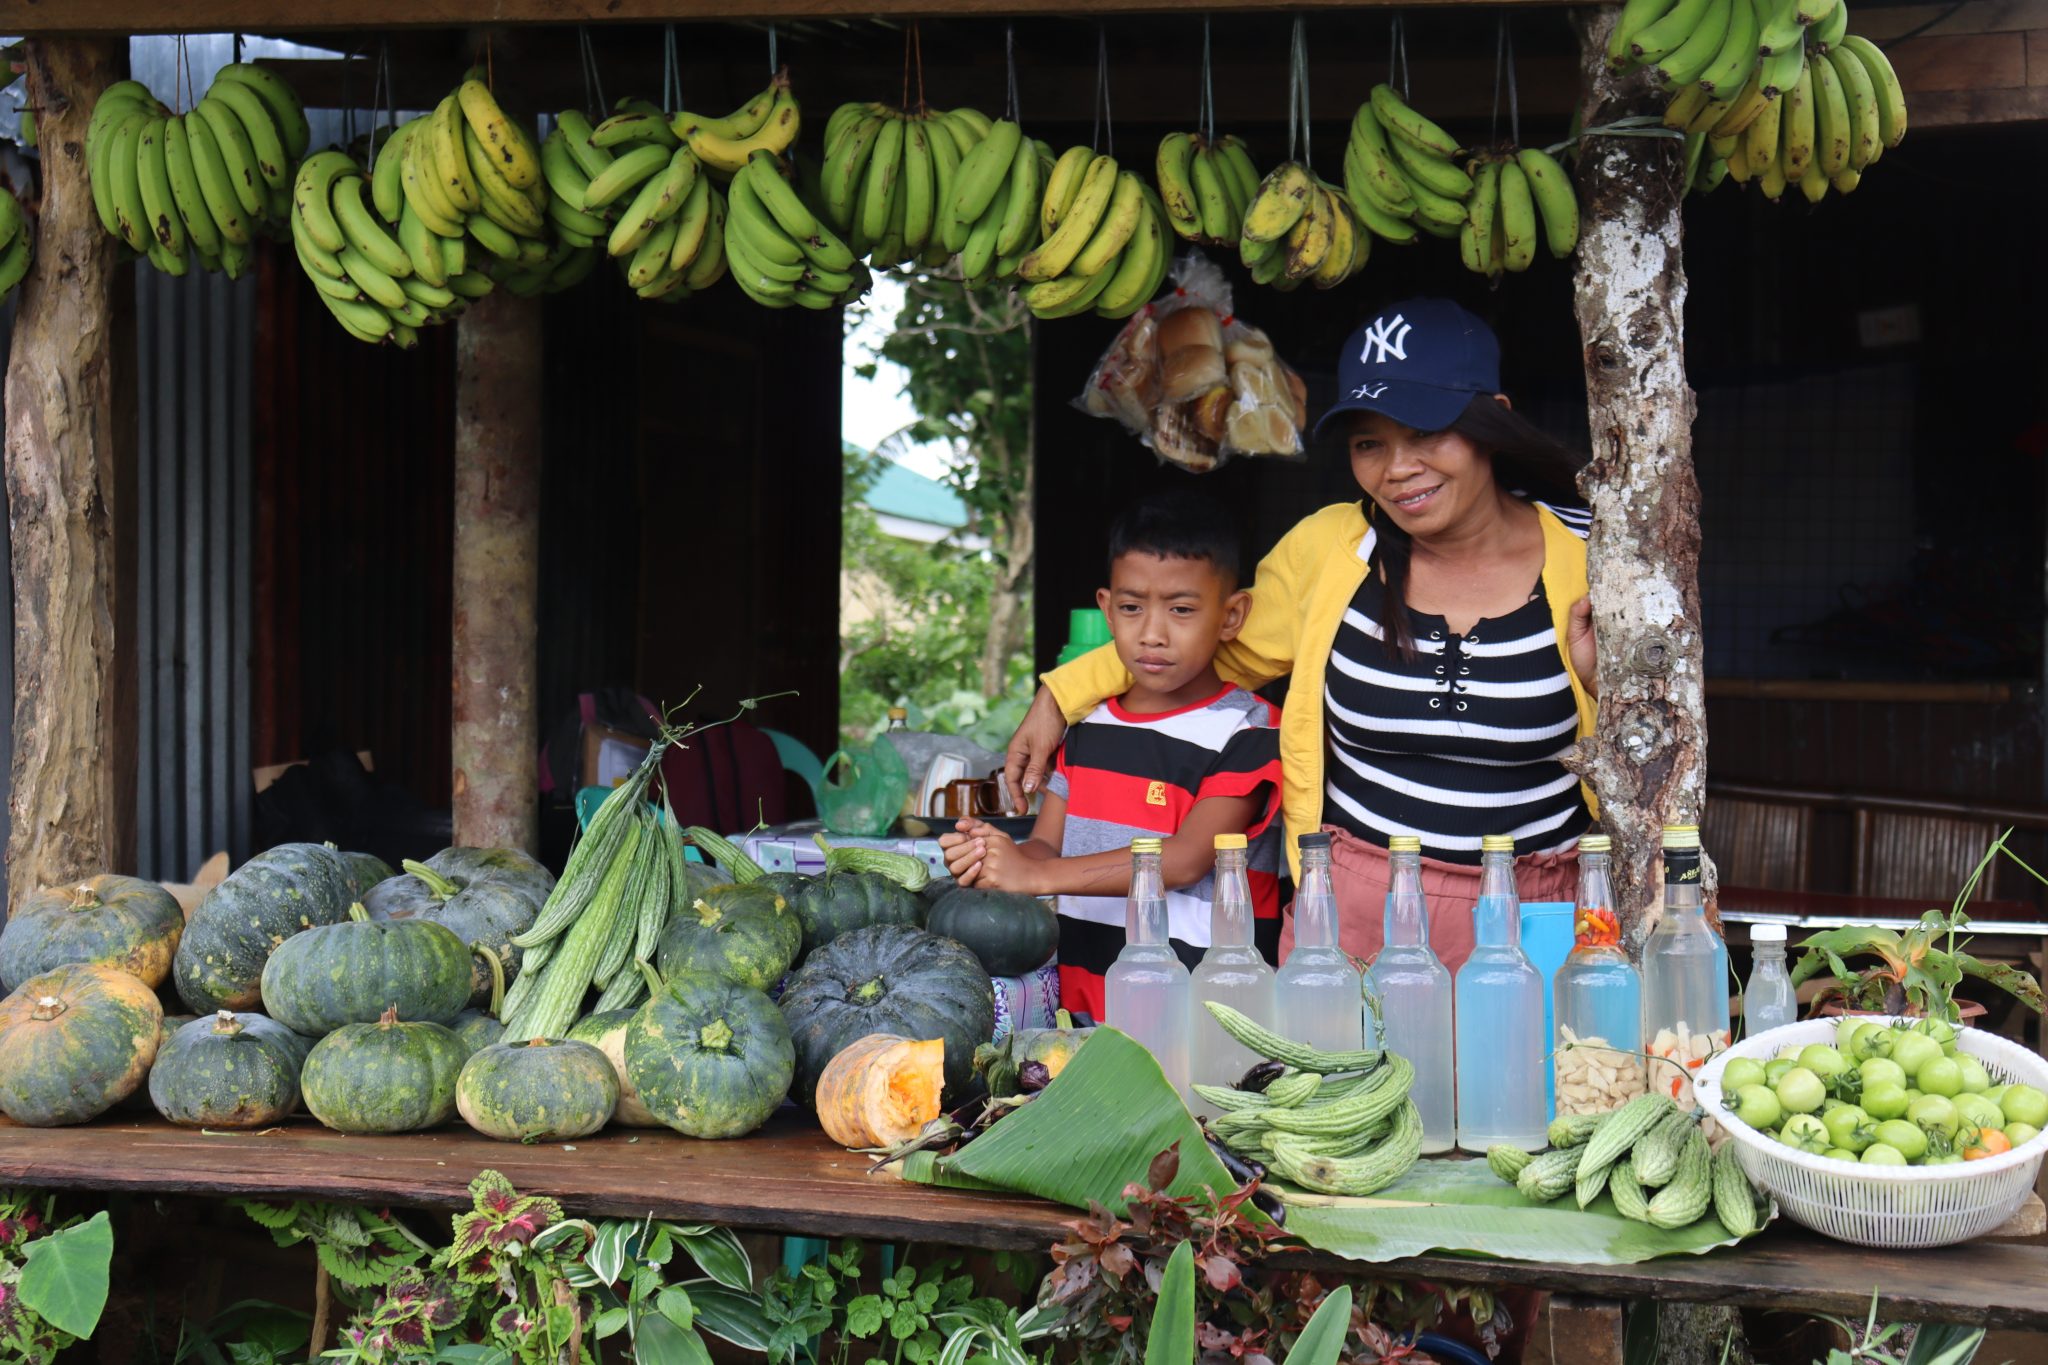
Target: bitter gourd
[1656, 1155]
[1681, 1202]
[1505, 1161]
[1573, 1130]
[1293, 1089]
[1734, 1200]
[1619, 1131]
[1629, 1200]
[1547, 1177]
[1301, 1056]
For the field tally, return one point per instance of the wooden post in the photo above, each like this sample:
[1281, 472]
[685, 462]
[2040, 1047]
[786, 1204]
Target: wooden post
[72, 802]
[1647, 759]
[497, 571]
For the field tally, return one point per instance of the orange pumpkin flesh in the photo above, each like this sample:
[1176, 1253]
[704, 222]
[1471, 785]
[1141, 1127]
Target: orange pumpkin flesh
[881, 1090]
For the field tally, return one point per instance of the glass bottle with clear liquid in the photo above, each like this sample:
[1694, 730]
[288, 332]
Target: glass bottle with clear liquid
[1317, 995]
[1768, 1001]
[1146, 991]
[1232, 971]
[1414, 991]
[1597, 995]
[1500, 1018]
[1685, 975]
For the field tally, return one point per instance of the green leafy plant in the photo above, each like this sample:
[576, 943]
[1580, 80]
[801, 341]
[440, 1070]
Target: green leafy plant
[926, 1313]
[53, 1276]
[1172, 1338]
[1896, 1343]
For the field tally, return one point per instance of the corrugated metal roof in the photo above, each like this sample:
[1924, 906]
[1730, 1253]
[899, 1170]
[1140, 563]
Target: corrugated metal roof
[906, 493]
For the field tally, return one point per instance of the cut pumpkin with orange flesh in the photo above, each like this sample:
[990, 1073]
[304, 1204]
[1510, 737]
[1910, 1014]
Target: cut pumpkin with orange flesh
[881, 1090]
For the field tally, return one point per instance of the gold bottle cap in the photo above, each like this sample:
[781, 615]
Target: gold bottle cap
[1681, 836]
[1497, 843]
[1595, 843]
[1405, 843]
[1226, 841]
[1147, 845]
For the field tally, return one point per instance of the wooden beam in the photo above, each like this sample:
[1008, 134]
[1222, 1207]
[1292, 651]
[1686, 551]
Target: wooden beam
[72, 801]
[497, 572]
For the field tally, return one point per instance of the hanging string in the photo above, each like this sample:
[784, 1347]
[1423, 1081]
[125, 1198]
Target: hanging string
[592, 78]
[1014, 111]
[1514, 99]
[490, 69]
[917, 39]
[1397, 55]
[671, 70]
[1299, 146]
[773, 67]
[181, 75]
[348, 104]
[1205, 118]
[1104, 134]
[238, 49]
[390, 91]
[376, 96]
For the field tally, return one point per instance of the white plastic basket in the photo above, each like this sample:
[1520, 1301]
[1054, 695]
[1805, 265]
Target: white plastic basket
[1884, 1206]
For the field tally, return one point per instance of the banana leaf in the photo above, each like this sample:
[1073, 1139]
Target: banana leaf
[1091, 1132]
[1460, 1207]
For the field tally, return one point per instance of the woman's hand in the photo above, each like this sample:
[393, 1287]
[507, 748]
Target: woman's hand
[1579, 643]
[1029, 757]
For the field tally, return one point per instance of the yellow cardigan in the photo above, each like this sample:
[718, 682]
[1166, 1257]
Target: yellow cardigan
[1298, 601]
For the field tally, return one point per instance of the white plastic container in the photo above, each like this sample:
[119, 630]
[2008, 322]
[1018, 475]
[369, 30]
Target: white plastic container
[1884, 1206]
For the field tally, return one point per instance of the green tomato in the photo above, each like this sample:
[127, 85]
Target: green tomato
[1880, 1071]
[1907, 1139]
[2025, 1104]
[1944, 1159]
[1805, 1133]
[1996, 1094]
[1800, 1091]
[1788, 1053]
[1886, 1100]
[1875, 1041]
[2021, 1132]
[1850, 1127]
[1941, 1076]
[1978, 1112]
[1742, 1071]
[1883, 1154]
[1913, 1051]
[1757, 1106]
[1775, 1069]
[1839, 1154]
[1823, 1061]
[1935, 1113]
[1976, 1080]
[1846, 1029]
[1941, 1031]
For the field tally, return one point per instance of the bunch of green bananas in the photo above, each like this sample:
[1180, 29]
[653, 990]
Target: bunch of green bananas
[991, 216]
[1299, 227]
[175, 187]
[17, 243]
[1517, 195]
[768, 122]
[1401, 175]
[633, 187]
[360, 271]
[1206, 186]
[1838, 117]
[1105, 240]
[779, 251]
[890, 179]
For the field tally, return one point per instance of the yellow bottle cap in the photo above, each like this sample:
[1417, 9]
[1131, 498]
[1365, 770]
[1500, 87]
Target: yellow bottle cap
[1497, 843]
[1681, 836]
[1595, 843]
[1405, 843]
[1147, 845]
[1227, 841]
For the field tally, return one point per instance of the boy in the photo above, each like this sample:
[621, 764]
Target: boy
[1181, 754]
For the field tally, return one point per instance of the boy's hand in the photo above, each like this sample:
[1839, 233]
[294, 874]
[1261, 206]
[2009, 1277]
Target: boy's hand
[963, 855]
[988, 858]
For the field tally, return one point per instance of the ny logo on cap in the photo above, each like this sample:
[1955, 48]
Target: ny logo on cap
[1369, 390]
[1384, 340]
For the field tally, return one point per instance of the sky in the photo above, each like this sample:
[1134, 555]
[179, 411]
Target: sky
[871, 409]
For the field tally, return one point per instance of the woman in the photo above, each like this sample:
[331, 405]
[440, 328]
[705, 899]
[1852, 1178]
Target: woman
[1438, 635]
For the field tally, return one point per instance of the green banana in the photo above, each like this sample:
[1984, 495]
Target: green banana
[839, 179]
[273, 162]
[709, 264]
[1119, 222]
[1656, 41]
[660, 198]
[237, 153]
[364, 232]
[1406, 125]
[1884, 82]
[287, 111]
[1736, 60]
[1380, 176]
[1020, 214]
[1517, 217]
[200, 228]
[1281, 201]
[1077, 225]
[312, 193]
[757, 231]
[978, 250]
[590, 158]
[1432, 173]
[1866, 142]
[1636, 15]
[692, 225]
[387, 174]
[1782, 30]
[1684, 64]
[1218, 213]
[1063, 186]
[1483, 209]
[1831, 130]
[878, 185]
[635, 127]
[918, 183]
[1556, 198]
[627, 171]
[422, 248]
[1174, 167]
[153, 179]
[507, 149]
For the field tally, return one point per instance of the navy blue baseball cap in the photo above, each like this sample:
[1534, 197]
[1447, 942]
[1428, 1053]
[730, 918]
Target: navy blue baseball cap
[1419, 362]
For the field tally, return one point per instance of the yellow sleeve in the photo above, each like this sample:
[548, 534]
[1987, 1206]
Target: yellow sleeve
[1265, 648]
[1087, 682]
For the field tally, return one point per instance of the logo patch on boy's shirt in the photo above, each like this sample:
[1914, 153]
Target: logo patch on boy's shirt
[1155, 794]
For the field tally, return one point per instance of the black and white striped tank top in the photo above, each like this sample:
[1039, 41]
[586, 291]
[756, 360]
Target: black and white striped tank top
[1464, 741]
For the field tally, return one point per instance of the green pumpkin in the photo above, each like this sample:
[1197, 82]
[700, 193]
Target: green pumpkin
[742, 933]
[351, 973]
[74, 1042]
[363, 871]
[545, 1090]
[486, 895]
[934, 891]
[121, 922]
[230, 1071]
[1008, 933]
[889, 978]
[606, 1031]
[709, 1058]
[701, 877]
[478, 1029]
[386, 1077]
[836, 903]
[262, 903]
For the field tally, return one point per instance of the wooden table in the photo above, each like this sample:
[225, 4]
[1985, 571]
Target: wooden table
[789, 1178]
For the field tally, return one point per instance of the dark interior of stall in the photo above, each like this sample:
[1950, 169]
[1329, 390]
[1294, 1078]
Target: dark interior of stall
[1870, 438]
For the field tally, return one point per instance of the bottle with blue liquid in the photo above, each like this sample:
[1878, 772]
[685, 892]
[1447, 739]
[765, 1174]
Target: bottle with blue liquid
[1500, 1040]
[1596, 1055]
[1412, 992]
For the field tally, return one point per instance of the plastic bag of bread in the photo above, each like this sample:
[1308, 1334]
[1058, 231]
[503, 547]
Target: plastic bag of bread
[1268, 408]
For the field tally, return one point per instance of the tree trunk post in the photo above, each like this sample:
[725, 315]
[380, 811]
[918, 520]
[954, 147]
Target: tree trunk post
[1647, 759]
[497, 571]
[72, 801]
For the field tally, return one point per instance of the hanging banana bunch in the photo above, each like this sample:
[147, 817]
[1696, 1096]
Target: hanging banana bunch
[1300, 227]
[362, 274]
[778, 249]
[991, 217]
[1105, 244]
[892, 180]
[198, 186]
[768, 122]
[1206, 186]
[631, 188]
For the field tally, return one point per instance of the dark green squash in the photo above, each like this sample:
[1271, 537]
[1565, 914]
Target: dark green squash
[74, 1042]
[934, 891]
[701, 877]
[746, 934]
[363, 871]
[478, 1029]
[544, 1090]
[486, 895]
[709, 1058]
[230, 1071]
[889, 978]
[351, 973]
[606, 1031]
[121, 922]
[835, 903]
[386, 1077]
[1008, 933]
[262, 903]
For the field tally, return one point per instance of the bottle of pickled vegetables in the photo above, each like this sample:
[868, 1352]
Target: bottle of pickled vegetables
[1685, 975]
[1232, 971]
[1316, 996]
[1414, 992]
[1500, 1018]
[1597, 996]
[1145, 993]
